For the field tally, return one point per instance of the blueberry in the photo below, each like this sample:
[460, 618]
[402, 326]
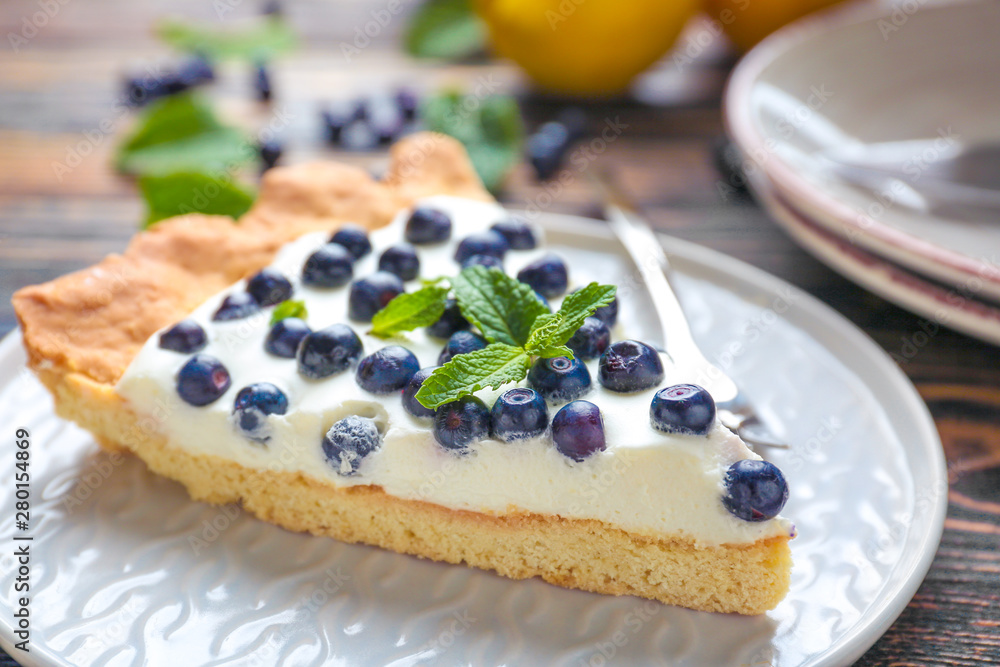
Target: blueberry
[407, 103]
[462, 422]
[683, 408]
[518, 414]
[559, 378]
[269, 287]
[547, 275]
[262, 83]
[330, 266]
[546, 149]
[428, 225]
[451, 320]
[354, 238]
[519, 234]
[590, 340]
[402, 260]
[186, 336]
[411, 404]
[349, 441]
[489, 261]
[328, 351]
[195, 71]
[236, 306]
[252, 406]
[284, 337]
[335, 120]
[578, 430]
[481, 243]
[387, 370]
[371, 294]
[461, 342]
[607, 314]
[202, 379]
[358, 135]
[755, 490]
[270, 152]
[629, 365]
[386, 121]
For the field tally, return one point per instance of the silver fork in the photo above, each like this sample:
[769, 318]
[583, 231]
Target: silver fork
[734, 409]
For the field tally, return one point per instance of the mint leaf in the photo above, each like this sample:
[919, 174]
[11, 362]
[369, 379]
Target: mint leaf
[287, 309]
[182, 133]
[191, 192]
[409, 311]
[489, 127]
[504, 309]
[465, 374]
[550, 351]
[551, 332]
[446, 29]
[259, 40]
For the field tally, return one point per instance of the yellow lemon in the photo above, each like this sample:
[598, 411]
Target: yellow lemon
[584, 47]
[749, 21]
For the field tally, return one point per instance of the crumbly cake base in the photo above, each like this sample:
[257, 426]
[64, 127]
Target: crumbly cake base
[82, 330]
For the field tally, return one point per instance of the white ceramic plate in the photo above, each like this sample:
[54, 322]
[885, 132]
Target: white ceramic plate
[866, 74]
[127, 570]
[939, 305]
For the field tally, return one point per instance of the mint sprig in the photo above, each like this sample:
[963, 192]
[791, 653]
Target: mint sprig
[520, 329]
[287, 309]
[410, 311]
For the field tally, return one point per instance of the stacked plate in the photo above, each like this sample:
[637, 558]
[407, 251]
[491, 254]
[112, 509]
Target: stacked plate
[871, 134]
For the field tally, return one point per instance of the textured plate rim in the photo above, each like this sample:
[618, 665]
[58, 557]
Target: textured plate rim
[835, 333]
[880, 238]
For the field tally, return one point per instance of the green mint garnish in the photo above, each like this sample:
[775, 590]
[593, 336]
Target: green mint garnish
[410, 311]
[183, 192]
[502, 308]
[287, 309]
[519, 327]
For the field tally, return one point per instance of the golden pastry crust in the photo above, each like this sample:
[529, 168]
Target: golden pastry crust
[81, 332]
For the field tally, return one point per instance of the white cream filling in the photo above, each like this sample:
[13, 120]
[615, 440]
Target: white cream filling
[646, 482]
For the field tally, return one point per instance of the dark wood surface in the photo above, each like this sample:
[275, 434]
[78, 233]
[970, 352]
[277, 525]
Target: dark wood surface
[65, 80]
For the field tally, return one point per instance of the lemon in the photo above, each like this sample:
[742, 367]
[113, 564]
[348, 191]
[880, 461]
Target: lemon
[746, 22]
[584, 47]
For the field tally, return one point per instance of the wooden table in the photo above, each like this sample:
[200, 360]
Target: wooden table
[60, 86]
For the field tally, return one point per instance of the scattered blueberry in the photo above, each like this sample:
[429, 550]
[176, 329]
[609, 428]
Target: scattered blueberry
[559, 378]
[387, 370]
[547, 275]
[270, 152]
[462, 422]
[269, 287]
[629, 365]
[402, 260]
[755, 490]
[386, 120]
[546, 149]
[489, 261]
[519, 234]
[609, 313]
[427, 225]
[461, 342]
[349, 441]
[328, 351]
[284, 337]
[451, 321]
[335, 119]
[202, 379]
[578, 430]
[358, 135]
[371, 294]
[186, 336]
[354, 238]
[590, 340]
[252, 406]
[411, 404]
[407, 103]
[262, 83]
[683, 408]
[481, 243]
[195, 71]
[518, 414]
[236, 306]
[330, 266]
